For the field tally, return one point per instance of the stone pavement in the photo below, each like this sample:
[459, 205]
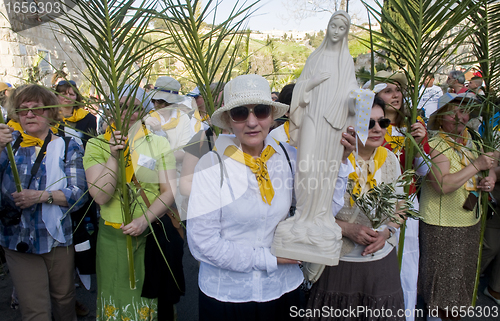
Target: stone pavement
[187, 308]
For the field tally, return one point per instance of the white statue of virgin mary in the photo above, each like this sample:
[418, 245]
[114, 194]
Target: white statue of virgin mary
[320, 111]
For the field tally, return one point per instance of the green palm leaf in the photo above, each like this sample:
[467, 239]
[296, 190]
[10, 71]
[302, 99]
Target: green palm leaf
[425, 42]
[108, 35]
[204, 48]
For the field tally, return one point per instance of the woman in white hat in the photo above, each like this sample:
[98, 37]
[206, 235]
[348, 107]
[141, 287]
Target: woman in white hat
[449, 230]
[239, 195]
[168, 119]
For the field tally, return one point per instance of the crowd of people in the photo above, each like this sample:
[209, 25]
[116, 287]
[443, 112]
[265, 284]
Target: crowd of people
[65, 219]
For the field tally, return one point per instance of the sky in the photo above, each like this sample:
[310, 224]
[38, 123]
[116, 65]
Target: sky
[274, 14]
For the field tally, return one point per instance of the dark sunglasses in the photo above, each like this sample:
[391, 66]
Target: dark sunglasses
[24, 111]
[241, 113]
[383, 123]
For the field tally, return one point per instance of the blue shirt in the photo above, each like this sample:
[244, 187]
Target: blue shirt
[31, 230]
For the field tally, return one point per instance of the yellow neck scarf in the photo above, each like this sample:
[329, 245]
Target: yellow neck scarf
[364, 171]
[397, 143]
[286, 127]
[258, 167]
[199, 120]
[130, 157]
[78, 114]
[464, 152]
[28, 140]
[14, 124]
[172, 123]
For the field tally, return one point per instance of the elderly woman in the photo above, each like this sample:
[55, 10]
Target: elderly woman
[115, 298]
[35, 228]
[449, 232]
[239, 195]
[368, 273]
[80, 123]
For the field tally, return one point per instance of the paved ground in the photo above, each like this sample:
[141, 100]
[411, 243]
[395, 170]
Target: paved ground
[187, 308]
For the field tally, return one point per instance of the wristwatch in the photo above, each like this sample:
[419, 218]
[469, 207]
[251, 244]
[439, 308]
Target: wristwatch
[50, 200]
[392, 230]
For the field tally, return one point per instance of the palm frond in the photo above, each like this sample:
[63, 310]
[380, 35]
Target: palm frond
[203, 48]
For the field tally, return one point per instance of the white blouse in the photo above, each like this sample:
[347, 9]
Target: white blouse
[230, 229]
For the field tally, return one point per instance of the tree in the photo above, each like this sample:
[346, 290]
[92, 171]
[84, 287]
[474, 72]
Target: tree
[302, 9]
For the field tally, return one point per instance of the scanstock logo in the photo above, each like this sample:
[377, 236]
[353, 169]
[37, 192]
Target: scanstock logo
[25, 14]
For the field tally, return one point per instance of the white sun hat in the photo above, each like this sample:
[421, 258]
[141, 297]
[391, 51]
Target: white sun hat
[167, 89]
[246, 90]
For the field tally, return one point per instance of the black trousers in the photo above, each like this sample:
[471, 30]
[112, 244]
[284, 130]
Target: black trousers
[211, 309]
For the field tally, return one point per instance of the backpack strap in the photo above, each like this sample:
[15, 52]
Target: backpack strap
[17, 143]
[222, 169]
[287, 157]
[293, 207]
[66, 144]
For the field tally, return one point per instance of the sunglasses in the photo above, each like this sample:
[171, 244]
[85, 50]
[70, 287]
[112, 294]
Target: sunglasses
[24, 111]
[383, 123]
[241, 113]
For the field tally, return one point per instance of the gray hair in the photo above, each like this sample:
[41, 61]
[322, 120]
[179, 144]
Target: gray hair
[458, 75]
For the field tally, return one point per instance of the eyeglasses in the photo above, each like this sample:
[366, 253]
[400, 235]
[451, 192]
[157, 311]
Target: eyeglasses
[24, 111]
[241, 113]
[383, 123]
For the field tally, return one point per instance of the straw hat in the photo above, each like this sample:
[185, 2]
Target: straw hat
[381, 82]
[465, 99]
[4, 86]
[167, 89]
[246, 90]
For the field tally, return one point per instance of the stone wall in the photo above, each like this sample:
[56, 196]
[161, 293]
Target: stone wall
[18, 51]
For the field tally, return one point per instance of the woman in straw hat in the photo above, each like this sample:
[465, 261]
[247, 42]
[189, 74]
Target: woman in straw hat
[449, 231]
[239, 195]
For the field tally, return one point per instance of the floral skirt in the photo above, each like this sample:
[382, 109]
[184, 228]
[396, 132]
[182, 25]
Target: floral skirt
[115, 299]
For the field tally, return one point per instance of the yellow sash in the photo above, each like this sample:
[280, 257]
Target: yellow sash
[364, 171]
[397, 143]
[114, 225]
[286, 127]
[171, 124]
[199, 120]
[465, 153]
[258, 167]
[78, 114]
[131, 158]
